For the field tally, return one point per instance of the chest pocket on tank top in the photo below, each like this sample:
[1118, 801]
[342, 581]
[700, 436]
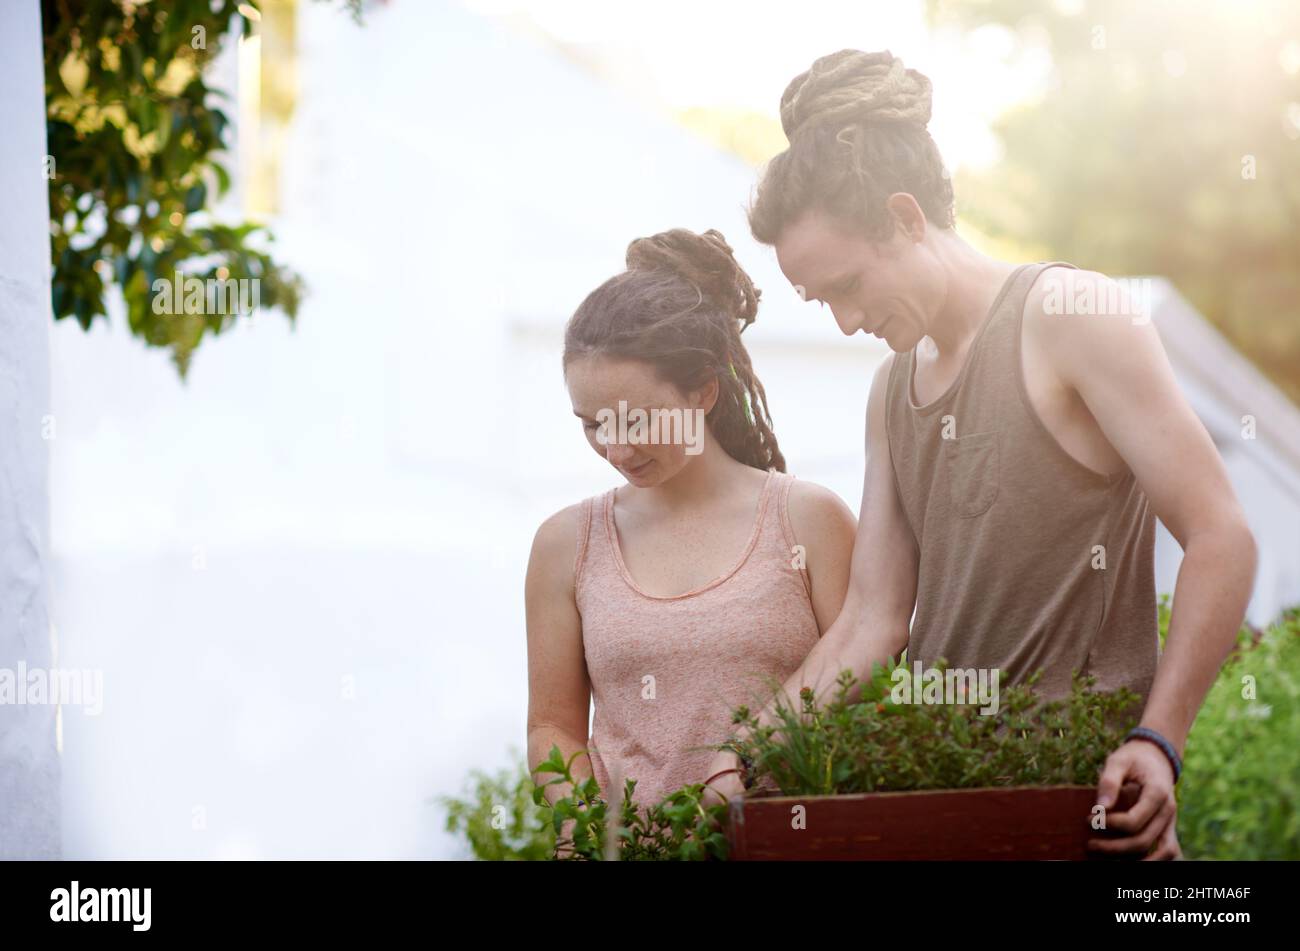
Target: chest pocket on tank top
[971, 469]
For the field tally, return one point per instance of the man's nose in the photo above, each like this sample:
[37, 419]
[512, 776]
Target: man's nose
[848, 319]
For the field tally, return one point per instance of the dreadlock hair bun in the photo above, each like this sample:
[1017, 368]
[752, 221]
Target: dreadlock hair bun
[855, 87]
[707, 262]
[856, 123]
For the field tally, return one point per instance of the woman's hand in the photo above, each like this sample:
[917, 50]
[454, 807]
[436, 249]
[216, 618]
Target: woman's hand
[723, 780]
[564, 841]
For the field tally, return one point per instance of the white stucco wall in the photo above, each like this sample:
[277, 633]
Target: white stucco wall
[29, 759]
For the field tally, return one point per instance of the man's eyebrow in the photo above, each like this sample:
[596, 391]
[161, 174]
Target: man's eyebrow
[833, 284]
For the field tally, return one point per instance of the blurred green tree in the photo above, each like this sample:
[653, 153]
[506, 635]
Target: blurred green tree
[1166, 142]
[134, 137]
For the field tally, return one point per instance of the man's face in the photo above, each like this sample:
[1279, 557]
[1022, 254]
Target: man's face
[890, 289]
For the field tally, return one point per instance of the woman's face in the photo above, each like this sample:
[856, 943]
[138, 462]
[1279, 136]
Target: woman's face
[891, 289]
[603, 388]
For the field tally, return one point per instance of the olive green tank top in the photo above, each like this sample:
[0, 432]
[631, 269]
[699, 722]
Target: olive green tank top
[1028, 558]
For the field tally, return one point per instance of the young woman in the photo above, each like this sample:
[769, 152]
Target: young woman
[1009, 446]
[710, 574]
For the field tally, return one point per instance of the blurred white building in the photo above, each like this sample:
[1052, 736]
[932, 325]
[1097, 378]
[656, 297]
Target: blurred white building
[302, 570]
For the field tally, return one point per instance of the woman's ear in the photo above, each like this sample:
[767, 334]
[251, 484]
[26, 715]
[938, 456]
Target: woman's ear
[705, 397]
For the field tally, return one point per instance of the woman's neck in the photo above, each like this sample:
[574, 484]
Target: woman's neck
[709, 475]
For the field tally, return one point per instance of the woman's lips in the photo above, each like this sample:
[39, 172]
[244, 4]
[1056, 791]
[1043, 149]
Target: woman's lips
[638, 469]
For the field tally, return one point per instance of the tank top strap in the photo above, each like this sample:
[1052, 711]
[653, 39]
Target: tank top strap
[591, 534]
[792, 550]
[584, 533]
[765, 534]
[1011, 307]
[996, 350]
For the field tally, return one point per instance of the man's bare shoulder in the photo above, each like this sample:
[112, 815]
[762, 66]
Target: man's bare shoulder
[1076, 319]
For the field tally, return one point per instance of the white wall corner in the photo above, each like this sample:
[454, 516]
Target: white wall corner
[30, 771]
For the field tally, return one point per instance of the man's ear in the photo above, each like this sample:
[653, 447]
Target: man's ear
[908, 216]
[705, 396]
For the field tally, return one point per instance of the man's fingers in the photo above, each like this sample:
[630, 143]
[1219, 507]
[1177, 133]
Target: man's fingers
[1167, 847]
[1112, 778]
[1137, 816]
[1143, 840]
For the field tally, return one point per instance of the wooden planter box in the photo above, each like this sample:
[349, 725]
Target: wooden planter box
[1022, 822]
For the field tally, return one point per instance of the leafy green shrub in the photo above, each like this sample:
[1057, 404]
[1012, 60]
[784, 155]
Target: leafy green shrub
[499, 818]
[1240, 795]
[874, 744]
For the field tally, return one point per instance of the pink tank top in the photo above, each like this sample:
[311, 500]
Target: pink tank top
[666, 672]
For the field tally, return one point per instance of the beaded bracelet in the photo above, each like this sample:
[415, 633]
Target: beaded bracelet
[1145, 733]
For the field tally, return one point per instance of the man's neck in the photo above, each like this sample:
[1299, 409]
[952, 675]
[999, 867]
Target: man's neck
[974, 281]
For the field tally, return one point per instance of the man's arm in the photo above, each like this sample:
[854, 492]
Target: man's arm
[873, 625]
[1119, 369]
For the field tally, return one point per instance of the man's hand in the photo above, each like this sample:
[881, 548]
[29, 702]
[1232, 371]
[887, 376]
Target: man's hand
[1151, 822]
[726, 787]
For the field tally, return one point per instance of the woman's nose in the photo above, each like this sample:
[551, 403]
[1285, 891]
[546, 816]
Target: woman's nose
[618, 453]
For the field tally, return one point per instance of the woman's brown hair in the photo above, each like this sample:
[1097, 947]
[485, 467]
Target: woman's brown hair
[856, 123]
[681, 306]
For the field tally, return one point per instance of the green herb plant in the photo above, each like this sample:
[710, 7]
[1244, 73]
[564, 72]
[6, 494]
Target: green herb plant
[678, 827]
[861, 741]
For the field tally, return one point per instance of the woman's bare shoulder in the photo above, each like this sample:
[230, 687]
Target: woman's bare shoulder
[818, 512]
[556, 539]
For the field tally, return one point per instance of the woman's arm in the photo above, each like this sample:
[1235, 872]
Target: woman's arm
[559, 692]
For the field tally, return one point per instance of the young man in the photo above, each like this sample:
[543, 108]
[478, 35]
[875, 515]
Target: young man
[1020, 444]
